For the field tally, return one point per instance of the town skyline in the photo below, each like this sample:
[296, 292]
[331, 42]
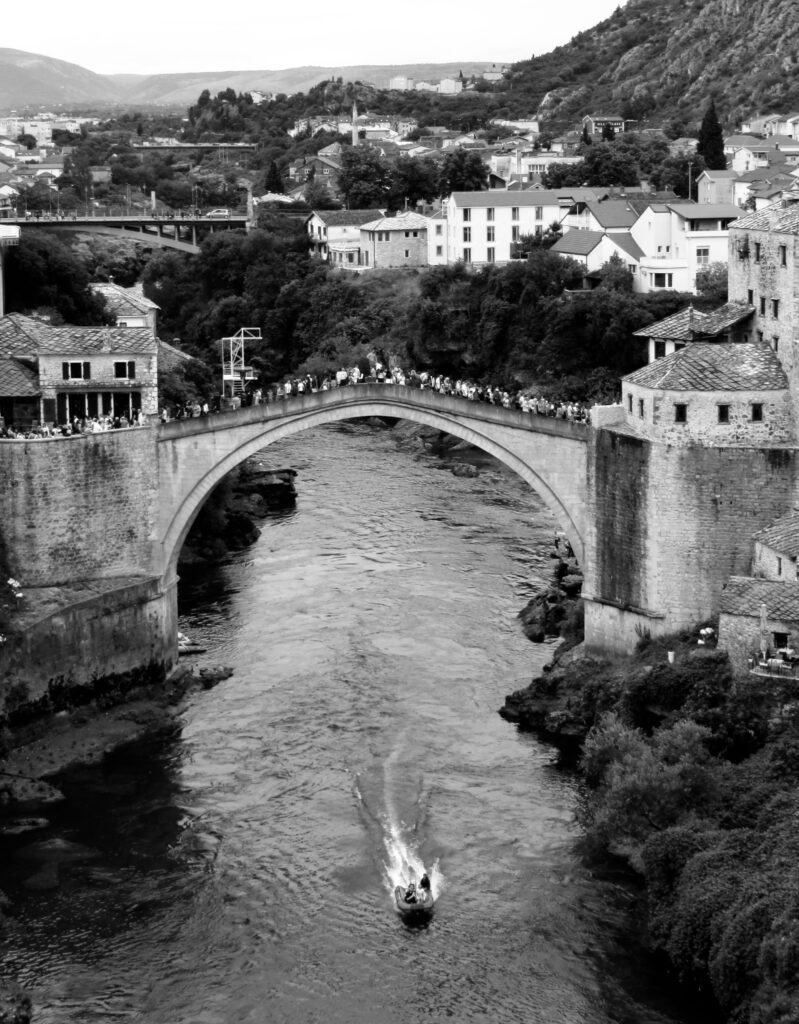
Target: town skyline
[173, 40]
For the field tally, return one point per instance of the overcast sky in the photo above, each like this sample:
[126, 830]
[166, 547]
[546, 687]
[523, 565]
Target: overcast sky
[153, 36]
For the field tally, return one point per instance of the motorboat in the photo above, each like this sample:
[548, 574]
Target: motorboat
[420, 907]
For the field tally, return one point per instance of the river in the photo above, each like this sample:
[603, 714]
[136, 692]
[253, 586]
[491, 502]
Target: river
[241, 870]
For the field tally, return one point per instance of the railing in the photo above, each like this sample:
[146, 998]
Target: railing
[777, 667]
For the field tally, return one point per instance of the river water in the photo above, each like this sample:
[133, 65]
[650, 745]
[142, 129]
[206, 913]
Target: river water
[241, 870]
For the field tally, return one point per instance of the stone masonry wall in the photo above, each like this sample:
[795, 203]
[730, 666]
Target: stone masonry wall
[668, 526]
[81, 507]
[768, 279]
[100, 631]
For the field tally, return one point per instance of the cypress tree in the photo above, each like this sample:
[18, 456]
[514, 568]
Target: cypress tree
[711, 141]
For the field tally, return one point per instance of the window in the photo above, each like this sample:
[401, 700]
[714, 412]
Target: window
[407, 253]
[757, 412]
[467, 216]
[467, 255]
[680, 413]
[703, 257]
[629, 403]
[490, 213]
[660, 349]
[407, 234]
[775, 308]
[640, 408]
[780, 640]
[490, 254]
[783, 255]
[760, 337]
[724, 414]
[779, 566]
[514, 213]
[439, 228]
[514, 233]
[125, 371]
[758, 251]
[775, 342]
[762, 305]
[750, 297]
[366, 259]
[467, 234]
[539, 213]
[76, 371]
[663, 280]
[490, 234]
[439, 250]
[382, 236]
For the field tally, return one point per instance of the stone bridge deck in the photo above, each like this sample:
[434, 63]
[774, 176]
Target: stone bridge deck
[194, 455]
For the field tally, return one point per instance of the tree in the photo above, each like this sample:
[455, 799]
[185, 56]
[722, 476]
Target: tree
[274, 180]
[463, 171]
[364, 179]
[608, 135]
[711, 140]
[711, 284]
[413, 180]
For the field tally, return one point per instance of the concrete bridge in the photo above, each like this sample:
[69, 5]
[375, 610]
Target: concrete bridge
[171, 231]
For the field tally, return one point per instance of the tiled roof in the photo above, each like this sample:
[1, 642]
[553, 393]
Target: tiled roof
[714, 366]
[124, 301]
[745, 595]
[693, 325]
[718, 174]
[578, 242]
[776, 217]
[704, 211]
[625, 241]
[782, 536]
[613, 213]
[17, 380]
[347, 218]
[402, 222]
[24, 336]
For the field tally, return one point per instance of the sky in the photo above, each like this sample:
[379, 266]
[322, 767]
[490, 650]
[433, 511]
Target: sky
[163, 36]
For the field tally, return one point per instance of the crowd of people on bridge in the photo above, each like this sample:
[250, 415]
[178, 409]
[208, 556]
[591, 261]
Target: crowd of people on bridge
[519, 400]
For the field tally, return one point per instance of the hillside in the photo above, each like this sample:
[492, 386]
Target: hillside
[30, 79]
[662, 59]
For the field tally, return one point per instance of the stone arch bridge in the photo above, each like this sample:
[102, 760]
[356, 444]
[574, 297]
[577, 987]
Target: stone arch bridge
[195, 454]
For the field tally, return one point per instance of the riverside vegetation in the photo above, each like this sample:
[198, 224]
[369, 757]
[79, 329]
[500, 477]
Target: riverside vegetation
[693, 778]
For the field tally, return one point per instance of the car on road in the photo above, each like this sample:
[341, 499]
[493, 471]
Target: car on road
[218, 213]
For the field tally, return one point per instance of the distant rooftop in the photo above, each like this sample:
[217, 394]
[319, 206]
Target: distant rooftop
[782, 535]
[744, 595]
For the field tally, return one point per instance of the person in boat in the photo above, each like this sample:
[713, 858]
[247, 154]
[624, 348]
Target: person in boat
[424, 886]
[410, 893]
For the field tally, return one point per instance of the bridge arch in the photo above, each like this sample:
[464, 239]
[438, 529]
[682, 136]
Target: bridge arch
[195, 455]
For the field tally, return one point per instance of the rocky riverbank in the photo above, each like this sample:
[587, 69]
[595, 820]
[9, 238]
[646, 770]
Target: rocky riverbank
[229, 519]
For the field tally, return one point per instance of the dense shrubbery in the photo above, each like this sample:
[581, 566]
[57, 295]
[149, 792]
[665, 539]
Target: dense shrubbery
[693, 779]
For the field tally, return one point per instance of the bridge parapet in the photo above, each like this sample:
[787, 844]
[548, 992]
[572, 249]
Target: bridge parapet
[366, 394]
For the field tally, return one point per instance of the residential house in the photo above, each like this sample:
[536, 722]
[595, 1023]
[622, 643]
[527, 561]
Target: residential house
[482, 227]
[388, 243]
[450, 86]
[594, 248]
[401, 83]
[58, 373]
[716, 186]
[730, 323]
[595, 124]
[495, 74]
[129, 306]
[323, 170]
[337, 227]
[437, 238]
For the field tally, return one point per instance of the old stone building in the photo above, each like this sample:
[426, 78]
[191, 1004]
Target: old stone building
[61, 373]
[764, 274]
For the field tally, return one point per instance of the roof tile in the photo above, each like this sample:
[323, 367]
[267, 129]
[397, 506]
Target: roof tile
[782, 535]
[714, 366]
[745, 595]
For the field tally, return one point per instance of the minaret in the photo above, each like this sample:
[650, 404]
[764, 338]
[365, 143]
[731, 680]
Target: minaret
[354, 122]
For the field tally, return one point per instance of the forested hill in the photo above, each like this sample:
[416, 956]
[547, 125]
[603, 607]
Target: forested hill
[663, 60]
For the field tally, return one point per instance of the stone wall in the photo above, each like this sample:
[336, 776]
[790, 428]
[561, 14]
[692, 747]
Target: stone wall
[124, 628]
[666, 528]
[702, 424]
[773, 565]
[79, 508]
[767, 279]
